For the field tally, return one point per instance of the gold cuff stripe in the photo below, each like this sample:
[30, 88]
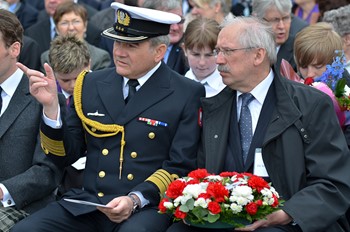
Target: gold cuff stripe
[161, 178]
[110, 129]
[54, 147]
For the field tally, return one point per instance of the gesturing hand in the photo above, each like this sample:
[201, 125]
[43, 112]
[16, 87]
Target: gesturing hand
[43, 88]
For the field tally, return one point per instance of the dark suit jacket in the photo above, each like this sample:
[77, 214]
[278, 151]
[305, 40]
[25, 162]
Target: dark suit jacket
[26, 14]
[30, 55]
[148, 148]
[177, 60]
[25, 170]
[303, 149]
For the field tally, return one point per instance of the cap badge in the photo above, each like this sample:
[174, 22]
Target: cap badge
[123, 18]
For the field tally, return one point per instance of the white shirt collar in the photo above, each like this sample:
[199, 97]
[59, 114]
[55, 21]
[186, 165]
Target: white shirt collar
[9, 86]
[142, 80]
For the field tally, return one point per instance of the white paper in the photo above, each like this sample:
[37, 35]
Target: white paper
[85, 203]
[80, 163]
[259, 166]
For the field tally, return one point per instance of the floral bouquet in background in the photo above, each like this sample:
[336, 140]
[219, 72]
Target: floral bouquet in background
[331, 82]
[227, 200]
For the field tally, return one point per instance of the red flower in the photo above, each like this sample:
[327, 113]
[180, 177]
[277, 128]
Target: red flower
[204, 195]
[228, 174]
[259, 202]
[217, 191]
[214, 207]
[275, 203]
[199, 174]
[308, 81]
[251, 208]
[257, 183]
[179, 214]
[161, 205]
[175, 189]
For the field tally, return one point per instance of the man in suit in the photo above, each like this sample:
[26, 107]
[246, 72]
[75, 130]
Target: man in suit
[294, 133]
[174, 56]
[27, 177]
[278, 14]
[136, 139]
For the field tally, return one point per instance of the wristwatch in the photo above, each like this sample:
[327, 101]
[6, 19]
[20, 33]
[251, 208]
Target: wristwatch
[135, 202]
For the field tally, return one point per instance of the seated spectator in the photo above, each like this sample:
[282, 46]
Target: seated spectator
[43, 31]
[174, 56]
[27, 176]
[68, 57]
[278, 14]
[71, 19]
[199, 43]
[316, 47]
[307, 10]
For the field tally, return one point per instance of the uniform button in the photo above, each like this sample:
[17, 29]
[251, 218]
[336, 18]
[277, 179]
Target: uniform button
[44, 149]
[105, 152]
[100, 194]
[9, 202]
[302, 129]
[101, 174]
[130, 177]
[93, 129]
[151, 135]
[133, 155]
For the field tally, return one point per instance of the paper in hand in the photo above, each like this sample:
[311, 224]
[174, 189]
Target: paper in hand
[86, 203]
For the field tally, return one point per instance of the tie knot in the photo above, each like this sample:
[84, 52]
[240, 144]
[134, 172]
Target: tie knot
[246, 98]
[133, 83]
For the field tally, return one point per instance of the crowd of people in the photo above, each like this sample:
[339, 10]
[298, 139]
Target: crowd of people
[110, 101]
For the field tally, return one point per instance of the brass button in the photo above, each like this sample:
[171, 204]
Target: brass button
[44, 149]
[133, 155]
[151, 135]
[105, 152]
[101, 194]
[130, 177]
[93, 129]
[101, 174]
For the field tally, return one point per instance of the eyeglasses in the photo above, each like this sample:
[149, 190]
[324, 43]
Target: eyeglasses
[276, 21]
[228, 51]
[67, 23]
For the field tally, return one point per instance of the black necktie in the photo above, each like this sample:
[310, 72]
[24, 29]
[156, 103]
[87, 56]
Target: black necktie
[0, 99]
[245, 124]
[132, 89]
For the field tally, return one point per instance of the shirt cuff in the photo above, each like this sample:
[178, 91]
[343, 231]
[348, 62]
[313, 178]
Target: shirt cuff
[7, 199]
[143, 200]
[55, 124]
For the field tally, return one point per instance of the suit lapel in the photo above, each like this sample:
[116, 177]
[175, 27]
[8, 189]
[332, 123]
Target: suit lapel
[19, 101]
[110, 91]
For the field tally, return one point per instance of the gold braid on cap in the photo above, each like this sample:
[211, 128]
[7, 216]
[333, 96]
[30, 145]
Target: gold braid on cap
[110, 129]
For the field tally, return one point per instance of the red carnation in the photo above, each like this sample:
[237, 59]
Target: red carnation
[214, 207]
[217, 191]
[179, 214]
[175, 189]
[251, 208]
[199, 174]
[161, 206]
[308, 81]
[259, 202]
[275, 203]
[204, 195]
[257, 183]
[228, 174]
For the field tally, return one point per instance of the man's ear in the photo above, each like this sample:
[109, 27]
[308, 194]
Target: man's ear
[15, 49]
[160, 51]
[260, 55]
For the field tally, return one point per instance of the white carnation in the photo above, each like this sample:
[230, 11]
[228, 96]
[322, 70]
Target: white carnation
[201, 202]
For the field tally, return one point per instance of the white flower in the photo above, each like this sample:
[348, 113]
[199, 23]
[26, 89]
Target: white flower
[193, 190]
[266, 192]
[168, 205]
[347, 90]
[236, 208]
[201, 202]
[214, 178]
